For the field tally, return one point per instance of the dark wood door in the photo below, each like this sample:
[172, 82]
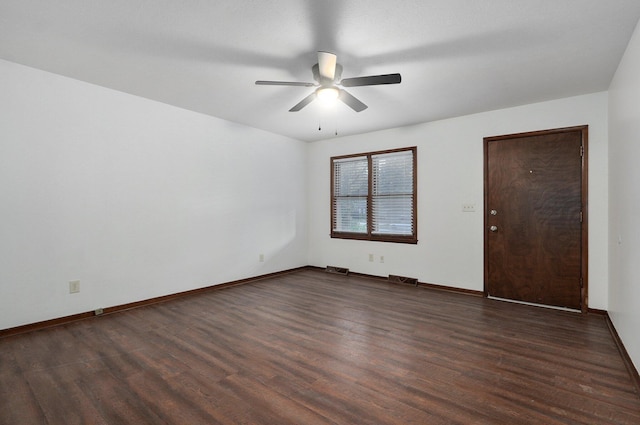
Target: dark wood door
[535, 190]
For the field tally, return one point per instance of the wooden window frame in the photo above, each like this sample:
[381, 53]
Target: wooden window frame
[369, 235]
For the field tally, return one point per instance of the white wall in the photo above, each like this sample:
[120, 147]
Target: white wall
[134, 198]
[450, 173]
[624, 199]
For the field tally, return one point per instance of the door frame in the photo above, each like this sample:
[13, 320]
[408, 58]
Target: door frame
[584, 263]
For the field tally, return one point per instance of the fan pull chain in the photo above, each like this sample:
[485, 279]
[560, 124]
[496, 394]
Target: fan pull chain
[320, 126]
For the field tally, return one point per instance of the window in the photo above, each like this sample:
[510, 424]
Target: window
[373, 196]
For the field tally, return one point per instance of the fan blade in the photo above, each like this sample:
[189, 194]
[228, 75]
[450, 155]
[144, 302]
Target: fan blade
[283, 83]
[352, 102]
[372, 80]
[327, 66]
[304, 102]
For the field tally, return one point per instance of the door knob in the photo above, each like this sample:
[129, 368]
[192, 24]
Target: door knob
[493, 228]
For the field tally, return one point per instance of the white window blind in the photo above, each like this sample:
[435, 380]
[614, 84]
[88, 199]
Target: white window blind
[351, 190]
[392, 193]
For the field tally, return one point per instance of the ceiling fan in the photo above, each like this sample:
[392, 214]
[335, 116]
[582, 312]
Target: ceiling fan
[328, 73]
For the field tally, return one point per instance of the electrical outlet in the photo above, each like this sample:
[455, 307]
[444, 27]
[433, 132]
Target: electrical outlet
[74, 286]
[468, 207]
[371, 258]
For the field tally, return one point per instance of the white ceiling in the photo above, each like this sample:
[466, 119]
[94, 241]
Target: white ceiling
[456, 57]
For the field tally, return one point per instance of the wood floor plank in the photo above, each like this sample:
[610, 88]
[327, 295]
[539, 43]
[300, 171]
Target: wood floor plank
[315, 348]
[60, 398]
[18, 403]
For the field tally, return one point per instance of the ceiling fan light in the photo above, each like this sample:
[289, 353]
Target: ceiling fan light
[327, 95]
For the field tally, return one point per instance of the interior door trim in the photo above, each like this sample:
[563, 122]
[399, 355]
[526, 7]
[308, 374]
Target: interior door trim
[584, 257]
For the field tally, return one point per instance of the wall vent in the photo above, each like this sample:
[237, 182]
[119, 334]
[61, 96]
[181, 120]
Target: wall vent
[402, 279]
[337, 270]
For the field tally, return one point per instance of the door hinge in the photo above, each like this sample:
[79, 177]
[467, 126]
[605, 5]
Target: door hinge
[582, 150]
[581, 217]
[581, 283]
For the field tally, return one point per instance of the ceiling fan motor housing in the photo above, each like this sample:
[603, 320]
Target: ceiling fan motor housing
[337, 76]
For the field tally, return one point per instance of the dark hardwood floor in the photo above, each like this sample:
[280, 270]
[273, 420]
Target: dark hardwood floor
[316, 348]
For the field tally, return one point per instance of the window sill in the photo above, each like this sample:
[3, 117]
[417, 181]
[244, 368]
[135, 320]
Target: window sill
[375, 238]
